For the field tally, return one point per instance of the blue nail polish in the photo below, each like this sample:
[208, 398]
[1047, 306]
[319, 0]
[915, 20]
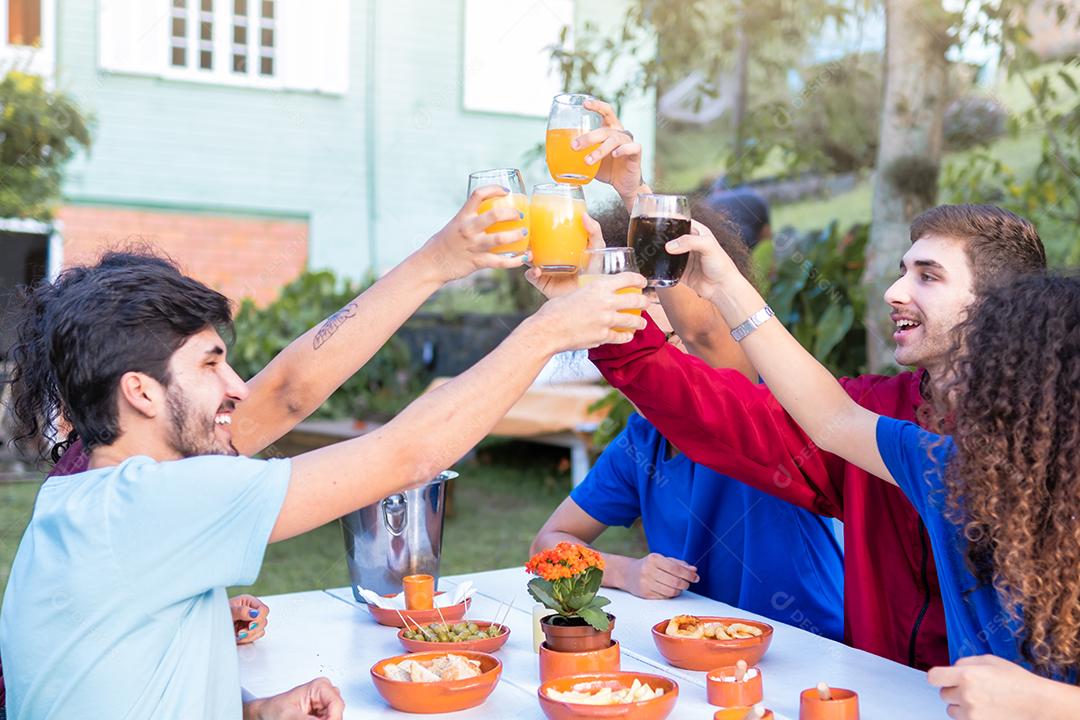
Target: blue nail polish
[506, 188]
[252, 626]
[253, 613]
[243, 635]
[524, 231]
[521, 215]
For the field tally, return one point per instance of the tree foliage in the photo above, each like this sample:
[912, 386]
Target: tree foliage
[40, 130]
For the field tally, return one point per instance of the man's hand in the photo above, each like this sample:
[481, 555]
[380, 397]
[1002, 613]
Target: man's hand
[464, 246]
[655, 576]
[587, 317]
[553, 285]
[990, 688]
[316, 699]
[619, 156]
[249, 615]
[708, 266]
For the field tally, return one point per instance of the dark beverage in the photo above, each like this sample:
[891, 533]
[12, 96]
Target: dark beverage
[648, 236]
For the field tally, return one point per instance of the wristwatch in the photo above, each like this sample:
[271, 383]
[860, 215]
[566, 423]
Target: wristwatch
[752, 323]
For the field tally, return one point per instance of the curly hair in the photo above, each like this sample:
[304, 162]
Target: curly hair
[1013, 396]
[78, 335]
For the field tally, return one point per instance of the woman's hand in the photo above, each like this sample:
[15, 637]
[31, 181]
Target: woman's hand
[464, 246]
[708, 266]
[990, 688]
[249, 615]
[619, 155]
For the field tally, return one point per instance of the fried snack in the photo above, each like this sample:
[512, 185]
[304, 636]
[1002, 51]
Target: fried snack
[447, 667]
[742, 630]
[685, 626]
[604, 694]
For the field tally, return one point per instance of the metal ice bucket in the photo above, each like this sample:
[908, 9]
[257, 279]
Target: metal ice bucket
[397, 536]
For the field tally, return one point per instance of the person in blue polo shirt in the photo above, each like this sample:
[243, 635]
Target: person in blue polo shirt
[705, 532]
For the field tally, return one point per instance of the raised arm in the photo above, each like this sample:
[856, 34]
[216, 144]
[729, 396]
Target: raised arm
[303, 375]
[442, 425]
[804, 387]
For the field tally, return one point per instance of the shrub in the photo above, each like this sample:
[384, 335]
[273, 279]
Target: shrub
[972, 121]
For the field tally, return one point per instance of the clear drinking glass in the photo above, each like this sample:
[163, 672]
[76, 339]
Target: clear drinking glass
[610, 261]
[557, 234]
[654, 221]
[516, 199]
[567, 120]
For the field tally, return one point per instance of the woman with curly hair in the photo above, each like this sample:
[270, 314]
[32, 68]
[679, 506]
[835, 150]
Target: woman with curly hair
[999, 494]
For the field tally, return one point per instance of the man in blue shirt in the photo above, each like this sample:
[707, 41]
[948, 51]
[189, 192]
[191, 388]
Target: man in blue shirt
[706, 532]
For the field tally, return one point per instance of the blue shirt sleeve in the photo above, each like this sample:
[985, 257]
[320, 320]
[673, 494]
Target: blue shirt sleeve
[916, 458]
[610, 491]
[184, 527]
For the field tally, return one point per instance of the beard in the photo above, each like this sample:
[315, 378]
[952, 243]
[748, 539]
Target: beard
[192, 434]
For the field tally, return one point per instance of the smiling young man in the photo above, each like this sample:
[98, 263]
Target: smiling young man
[892, 600]
[115, 606]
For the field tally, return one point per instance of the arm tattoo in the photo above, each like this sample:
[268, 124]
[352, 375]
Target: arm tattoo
[332, 324]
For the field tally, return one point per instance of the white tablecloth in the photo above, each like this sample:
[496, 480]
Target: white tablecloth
[327, 633]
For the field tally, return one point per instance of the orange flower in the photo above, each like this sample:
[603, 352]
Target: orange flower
[563, 561]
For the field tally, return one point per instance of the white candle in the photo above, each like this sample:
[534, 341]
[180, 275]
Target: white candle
[539, 613]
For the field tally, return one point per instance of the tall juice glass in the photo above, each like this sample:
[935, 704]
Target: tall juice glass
[557, 234]
[654, 221]
[516, 199]
[595, 264]
[567, 120]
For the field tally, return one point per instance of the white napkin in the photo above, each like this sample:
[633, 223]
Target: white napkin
[397, 602]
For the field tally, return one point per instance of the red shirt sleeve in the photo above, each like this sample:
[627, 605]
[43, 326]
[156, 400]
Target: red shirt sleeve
[723, 421]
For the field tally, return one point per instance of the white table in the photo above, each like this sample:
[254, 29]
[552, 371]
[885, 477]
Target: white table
[327, 633]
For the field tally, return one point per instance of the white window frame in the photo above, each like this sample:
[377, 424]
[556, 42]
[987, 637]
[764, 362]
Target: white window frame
[221, 72]
[39, 60]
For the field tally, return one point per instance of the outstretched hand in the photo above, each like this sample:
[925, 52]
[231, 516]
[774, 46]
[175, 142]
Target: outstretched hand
[619, 155]
[708, 266]
[464, 245]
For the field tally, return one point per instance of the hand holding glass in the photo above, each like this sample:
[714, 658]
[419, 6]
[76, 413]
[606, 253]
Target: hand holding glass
[610, 261]
[655, 221]
[567, 120]
[516, 198]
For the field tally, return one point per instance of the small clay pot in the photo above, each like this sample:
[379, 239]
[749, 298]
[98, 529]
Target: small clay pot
[844, 705]
[574, 634]
[560, 664]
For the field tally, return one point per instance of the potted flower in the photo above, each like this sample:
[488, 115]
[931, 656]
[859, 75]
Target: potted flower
[568, 578]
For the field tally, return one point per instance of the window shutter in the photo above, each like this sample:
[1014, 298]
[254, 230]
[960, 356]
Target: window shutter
[315, 45]
[133, 35]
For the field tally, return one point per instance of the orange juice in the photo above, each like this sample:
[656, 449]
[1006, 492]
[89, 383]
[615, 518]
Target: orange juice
[565, 164]
[584, 280]
[557, 233]
[519, 202]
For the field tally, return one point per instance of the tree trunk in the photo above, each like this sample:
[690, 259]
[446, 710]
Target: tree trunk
[741, 74]
[909, 151]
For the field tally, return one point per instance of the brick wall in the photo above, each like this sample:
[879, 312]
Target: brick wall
[238, 256]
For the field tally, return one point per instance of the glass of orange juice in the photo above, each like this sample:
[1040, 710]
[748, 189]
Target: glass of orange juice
[567, 120]
[557, 234]
[610, 261]
[510, 179]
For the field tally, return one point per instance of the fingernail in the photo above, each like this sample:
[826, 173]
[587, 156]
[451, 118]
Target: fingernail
[243, 635]
[674, 245]
[253, 613]
[506, 189]
[521, 216]
[252, 626]
[524, 231]
[575, 144]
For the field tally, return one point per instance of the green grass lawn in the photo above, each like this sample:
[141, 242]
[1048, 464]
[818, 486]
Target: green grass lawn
[499, 504]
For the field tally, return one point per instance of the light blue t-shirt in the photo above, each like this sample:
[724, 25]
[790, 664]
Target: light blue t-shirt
[116, 606]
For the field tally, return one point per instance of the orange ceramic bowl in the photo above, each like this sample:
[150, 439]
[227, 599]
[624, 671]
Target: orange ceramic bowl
[655, 709]
[744, 693]
[485, 645]
[437, 697]
[706, 654]
[392, 618]
[588, 662]
[843, 706]
[739, 713]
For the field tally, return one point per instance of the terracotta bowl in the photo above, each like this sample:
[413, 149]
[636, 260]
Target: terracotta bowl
[843, 706]
[437, 697]
[391, 618]
[560, 664]
[739, 713]
[655, 709]
[706, 654]
[486, 645]
[744, 693]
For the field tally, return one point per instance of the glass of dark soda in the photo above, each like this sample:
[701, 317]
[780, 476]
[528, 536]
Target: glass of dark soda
[656, 220]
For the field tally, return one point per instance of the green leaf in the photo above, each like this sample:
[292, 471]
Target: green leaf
[541, 592]
[595, 617]
[831, 328]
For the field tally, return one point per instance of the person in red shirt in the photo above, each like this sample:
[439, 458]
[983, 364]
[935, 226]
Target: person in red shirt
[892, 601]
